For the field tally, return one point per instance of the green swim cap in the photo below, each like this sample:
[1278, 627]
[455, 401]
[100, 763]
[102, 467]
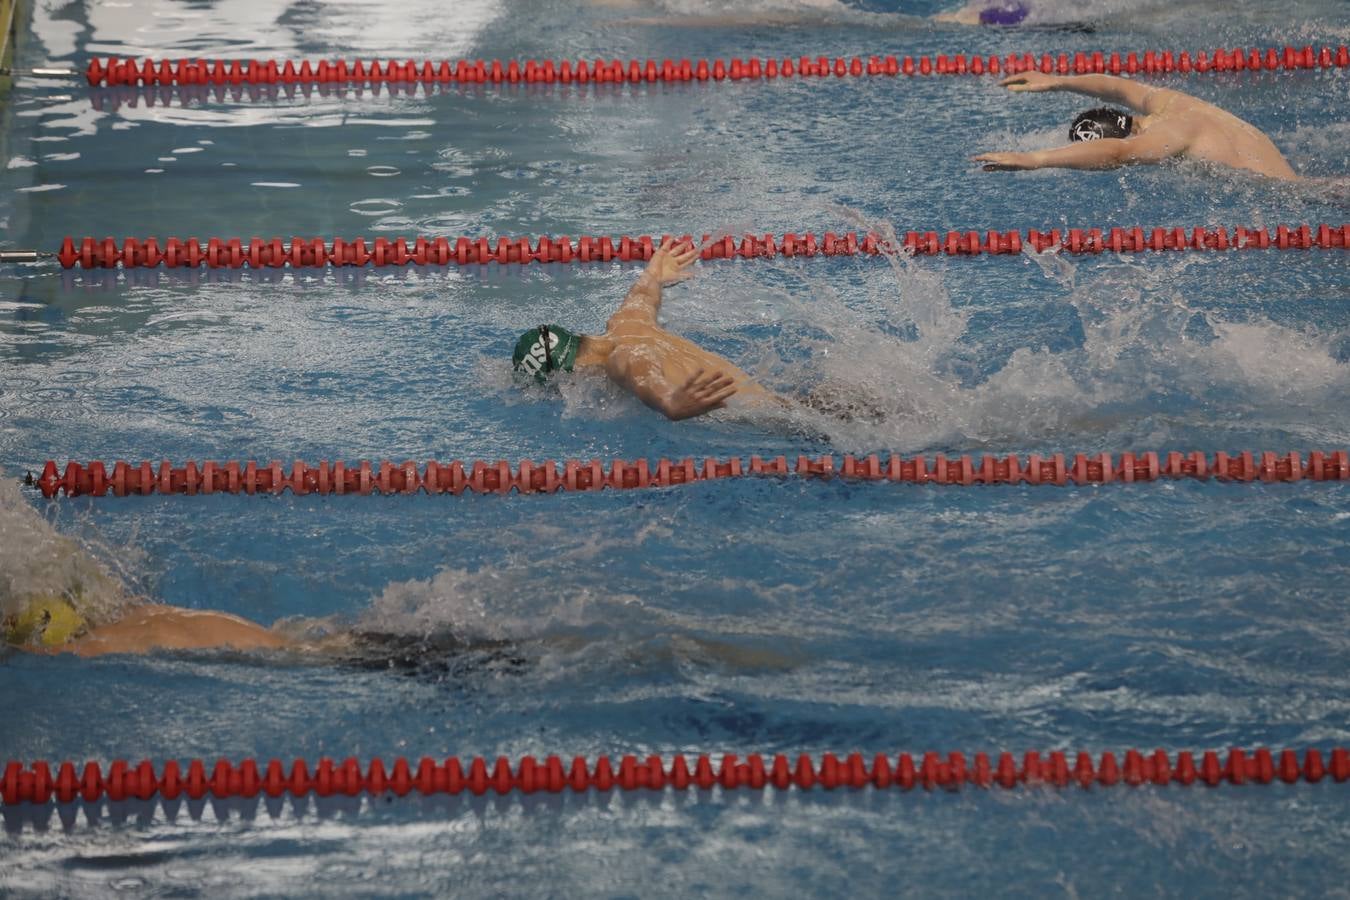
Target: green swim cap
[49, 621]
[532, 357]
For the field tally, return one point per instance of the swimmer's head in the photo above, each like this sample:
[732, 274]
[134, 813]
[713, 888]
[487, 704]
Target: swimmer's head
[47, 621]
[544, 350]
[1103, 122]
[1004, 12]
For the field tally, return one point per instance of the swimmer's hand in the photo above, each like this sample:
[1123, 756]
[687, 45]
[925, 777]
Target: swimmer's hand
[670, 262]
[1032, 82]
[1007, 161]
[700, 394]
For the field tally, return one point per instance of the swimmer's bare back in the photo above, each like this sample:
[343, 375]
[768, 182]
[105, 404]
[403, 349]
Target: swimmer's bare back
[150, 627]
[1172, 125]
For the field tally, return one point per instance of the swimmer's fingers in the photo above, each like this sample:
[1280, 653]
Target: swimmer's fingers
[1030, 82]
[701, 377]
[710, 385]
[702, 392]
[722, 384]
[662, 264]
[720, 399]
[712, 391]
[1002, 162]
[683, 258]
[686, 253]
[674, 256]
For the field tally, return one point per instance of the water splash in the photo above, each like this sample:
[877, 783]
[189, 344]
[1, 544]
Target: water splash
[38, 561]
[902, 372]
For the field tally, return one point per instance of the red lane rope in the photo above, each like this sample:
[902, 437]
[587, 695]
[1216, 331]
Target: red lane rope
[528, 477]
[252, 71]
[235, 253]
[479, 775]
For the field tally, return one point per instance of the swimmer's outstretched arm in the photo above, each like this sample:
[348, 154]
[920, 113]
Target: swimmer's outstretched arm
[154, 627]
[1104, 87]
[1153, 146]
[667, 266]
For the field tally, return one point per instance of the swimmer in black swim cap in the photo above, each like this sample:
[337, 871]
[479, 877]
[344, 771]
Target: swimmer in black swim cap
[1102, 122]
[1160, 124]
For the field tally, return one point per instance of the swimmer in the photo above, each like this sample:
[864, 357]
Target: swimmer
[825, 13]
[56, 599]
[52, 625]
[1172, 125]
[668, 373]
[988, 12]
[813, 13]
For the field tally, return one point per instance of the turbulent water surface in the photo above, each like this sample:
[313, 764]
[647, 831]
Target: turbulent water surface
[765, 615]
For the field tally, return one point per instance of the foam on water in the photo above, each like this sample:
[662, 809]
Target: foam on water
[897, 357]
[38, 561]
[769, 614]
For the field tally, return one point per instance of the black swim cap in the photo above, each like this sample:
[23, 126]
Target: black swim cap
[1103, 122]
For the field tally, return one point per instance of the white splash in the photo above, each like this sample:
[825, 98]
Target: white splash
[38, 561]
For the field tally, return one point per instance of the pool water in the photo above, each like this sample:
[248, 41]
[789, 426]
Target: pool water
[755, 616]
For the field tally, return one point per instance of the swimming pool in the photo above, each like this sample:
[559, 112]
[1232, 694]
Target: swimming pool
[769, 616]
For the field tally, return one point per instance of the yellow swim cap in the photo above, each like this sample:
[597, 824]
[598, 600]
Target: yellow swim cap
[49, 621]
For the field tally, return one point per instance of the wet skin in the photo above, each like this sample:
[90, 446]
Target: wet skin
[1170, 125]
[152, 626]
[667, 372]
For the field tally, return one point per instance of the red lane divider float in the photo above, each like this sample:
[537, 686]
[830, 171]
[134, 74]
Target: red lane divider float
[235, 253]
[251, 71]
[479, 775]
[501, 477]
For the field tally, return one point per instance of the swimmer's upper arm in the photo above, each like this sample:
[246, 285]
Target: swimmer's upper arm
[1155, 145]
[1159, 99]
[1118, 90]
[642, 376]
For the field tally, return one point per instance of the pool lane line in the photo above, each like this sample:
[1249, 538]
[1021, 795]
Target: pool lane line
[481, 775]
[308, 253]
[117, 71]
[123, 479]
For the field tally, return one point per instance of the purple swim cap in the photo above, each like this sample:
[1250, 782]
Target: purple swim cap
[1005, 12]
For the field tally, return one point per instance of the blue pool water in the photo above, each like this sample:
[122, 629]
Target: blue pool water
[770, 616]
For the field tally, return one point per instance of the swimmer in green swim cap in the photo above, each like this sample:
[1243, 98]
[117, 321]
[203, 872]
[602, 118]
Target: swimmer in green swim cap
[544, 350]
[667, 372]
